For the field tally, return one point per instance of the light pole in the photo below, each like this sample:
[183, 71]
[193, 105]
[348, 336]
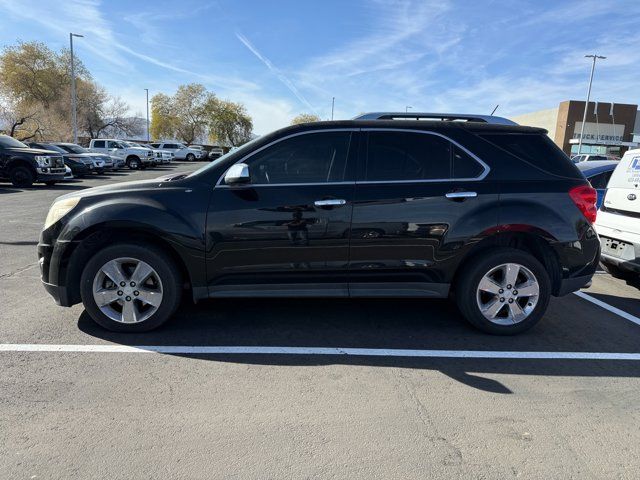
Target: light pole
[74, 115]
[406, 109]
[333, 102]
[148, 134]
[586, 105]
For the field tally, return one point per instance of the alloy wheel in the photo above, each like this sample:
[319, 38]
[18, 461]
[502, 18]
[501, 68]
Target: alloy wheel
[507, 294]
[127, 290]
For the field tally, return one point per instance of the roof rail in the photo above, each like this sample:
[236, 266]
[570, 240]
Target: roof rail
[445, 117]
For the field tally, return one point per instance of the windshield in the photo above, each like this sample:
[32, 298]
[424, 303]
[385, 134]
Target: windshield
[71, 148]
[11, 142]
[244, 148]
[55, 148]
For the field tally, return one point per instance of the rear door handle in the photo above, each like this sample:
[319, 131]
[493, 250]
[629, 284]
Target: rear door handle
[332, 202]
[461, 195]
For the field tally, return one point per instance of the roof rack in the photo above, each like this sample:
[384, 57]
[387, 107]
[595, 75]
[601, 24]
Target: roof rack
[445, 117]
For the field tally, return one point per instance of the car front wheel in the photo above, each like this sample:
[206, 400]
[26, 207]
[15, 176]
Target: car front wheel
[21, 176]
[190, 157]
[504, 291]
[128, 288]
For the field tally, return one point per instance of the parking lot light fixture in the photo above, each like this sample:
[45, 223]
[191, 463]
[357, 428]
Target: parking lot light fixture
[74, 114]
[586, 105]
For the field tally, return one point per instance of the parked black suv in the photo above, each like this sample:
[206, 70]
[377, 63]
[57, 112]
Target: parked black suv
[23, 165]
[495, 216]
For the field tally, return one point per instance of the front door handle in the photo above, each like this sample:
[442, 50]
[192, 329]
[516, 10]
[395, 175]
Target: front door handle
[460, 195]
[332, 202]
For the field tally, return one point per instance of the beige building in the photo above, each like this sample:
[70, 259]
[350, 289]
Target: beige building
[611, 128]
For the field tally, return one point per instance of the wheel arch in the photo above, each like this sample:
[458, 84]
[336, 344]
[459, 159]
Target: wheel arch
[534, 242]
[101, 235]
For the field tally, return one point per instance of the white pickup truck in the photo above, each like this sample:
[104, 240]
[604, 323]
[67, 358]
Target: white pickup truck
[134, 157]
[180, 151]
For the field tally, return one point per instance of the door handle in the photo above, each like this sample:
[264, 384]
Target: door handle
[332, 202]
[460, 195]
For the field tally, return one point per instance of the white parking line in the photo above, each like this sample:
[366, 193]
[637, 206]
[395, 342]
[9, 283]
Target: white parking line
[608, 307]
[358, 352]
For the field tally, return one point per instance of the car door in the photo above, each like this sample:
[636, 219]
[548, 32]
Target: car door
[418, 205]
[286, 230]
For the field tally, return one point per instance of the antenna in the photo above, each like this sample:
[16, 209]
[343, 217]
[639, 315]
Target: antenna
[494, 110]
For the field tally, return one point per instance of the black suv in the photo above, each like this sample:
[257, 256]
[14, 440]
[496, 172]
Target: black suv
[23, 165]
[495, 216]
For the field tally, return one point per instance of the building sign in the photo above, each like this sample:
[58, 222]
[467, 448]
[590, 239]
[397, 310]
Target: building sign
[599, 133]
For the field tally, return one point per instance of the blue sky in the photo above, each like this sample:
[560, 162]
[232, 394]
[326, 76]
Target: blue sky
[281, 58]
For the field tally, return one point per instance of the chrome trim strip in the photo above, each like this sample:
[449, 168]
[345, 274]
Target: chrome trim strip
[482, 176]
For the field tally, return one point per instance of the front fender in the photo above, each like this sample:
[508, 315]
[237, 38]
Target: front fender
[179, 224]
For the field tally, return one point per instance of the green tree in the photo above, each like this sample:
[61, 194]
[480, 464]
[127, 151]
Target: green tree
[305, 118]
[229, 123]
[35, 93]
[184, 115]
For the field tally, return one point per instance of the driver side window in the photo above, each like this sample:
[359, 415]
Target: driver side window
[308, 158]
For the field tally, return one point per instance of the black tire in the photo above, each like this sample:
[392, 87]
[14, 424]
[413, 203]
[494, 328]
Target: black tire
[190, 157]
[133, 163]
[161, 262]
[21, 176]
[469, 279]
[617, 272]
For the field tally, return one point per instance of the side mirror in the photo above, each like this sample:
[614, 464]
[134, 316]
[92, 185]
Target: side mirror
[238, 173]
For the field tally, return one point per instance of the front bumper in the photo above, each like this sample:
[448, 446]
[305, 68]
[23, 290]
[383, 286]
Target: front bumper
[48, 177]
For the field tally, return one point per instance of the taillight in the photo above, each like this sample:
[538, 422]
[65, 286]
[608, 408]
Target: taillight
[585, 198]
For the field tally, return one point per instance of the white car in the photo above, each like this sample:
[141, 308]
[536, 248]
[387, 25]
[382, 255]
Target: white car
[134, 157]
[618, 221]
[161, 156]
[591, 158]
[179, 150]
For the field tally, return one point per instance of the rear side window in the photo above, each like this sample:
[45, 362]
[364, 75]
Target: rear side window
[98, 144]
[465, 166]
[407, 156]
[600, 180]
[537, 150]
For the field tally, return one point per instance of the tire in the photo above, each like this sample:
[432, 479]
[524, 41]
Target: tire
[50, 183]
[165, 282]
[617, 272]
[133, 163]
[493, 263]
[21, 176]
[190, 157]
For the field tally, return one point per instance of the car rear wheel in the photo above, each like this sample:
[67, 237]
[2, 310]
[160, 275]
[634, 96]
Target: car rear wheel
[503, 291]
[128, 288]
[21, 176]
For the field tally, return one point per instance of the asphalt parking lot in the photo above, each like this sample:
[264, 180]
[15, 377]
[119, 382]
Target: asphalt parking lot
[308, 389]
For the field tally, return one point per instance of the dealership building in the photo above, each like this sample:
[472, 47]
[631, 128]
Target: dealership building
[611, 128]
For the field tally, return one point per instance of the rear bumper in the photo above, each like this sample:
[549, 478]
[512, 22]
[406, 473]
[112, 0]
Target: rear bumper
[569, 285]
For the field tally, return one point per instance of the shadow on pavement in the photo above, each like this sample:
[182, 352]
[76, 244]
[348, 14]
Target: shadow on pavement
[392, 324]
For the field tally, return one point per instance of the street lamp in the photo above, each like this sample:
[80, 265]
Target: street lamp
[586, 105]
[148, 137]
[406, 109]
[74, 117]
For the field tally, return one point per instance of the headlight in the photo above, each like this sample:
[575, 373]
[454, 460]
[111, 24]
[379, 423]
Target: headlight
[42, 160]
[59, 209]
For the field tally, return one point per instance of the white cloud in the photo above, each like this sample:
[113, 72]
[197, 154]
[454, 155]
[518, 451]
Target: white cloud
[275, 70]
